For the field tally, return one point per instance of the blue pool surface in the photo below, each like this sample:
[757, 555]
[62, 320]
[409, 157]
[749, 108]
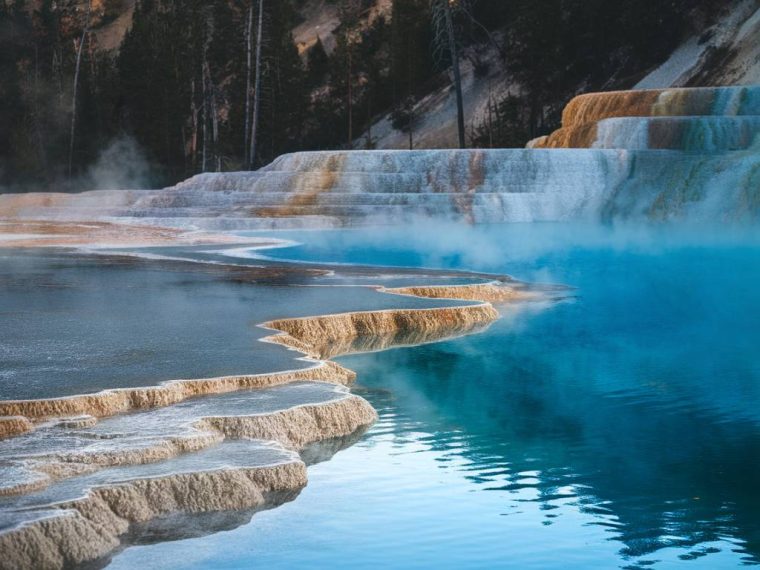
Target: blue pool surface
[617, 428]
[76, 324]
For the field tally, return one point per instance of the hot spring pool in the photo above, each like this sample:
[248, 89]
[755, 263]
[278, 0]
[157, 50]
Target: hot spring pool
[618, 427]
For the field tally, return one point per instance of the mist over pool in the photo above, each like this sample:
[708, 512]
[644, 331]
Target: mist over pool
[614, 426]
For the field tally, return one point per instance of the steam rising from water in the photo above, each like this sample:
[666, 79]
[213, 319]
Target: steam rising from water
[121, 165]
[494, 248]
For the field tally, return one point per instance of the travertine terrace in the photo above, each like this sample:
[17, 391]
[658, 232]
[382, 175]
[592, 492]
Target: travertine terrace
[74, 530]
[88, 528]
[706, 120]
[660, 154]
[620, 155]
[488, 292]
[332, 335]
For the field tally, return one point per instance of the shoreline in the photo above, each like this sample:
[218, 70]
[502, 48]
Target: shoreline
[317, 338]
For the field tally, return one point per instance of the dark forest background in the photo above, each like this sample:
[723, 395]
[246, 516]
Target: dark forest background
[174, 93]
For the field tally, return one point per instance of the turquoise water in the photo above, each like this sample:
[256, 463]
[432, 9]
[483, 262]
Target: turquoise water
[619, 427]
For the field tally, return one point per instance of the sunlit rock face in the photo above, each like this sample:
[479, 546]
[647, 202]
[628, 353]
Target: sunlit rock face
[686, 102]
[692, 134]
[708, 119]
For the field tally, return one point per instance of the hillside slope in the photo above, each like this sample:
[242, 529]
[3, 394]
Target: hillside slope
[726, 53]
[173, 82]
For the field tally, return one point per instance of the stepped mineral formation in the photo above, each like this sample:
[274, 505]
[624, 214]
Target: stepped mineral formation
[87, 529]
[707, 120]
[81, 529]
[663, 154]
[645, 154]
[110, 402]
[489, 292]
[332, 335]
[171, 435]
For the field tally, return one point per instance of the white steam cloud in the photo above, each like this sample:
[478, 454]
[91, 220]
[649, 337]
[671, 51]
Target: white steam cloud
[122, 165]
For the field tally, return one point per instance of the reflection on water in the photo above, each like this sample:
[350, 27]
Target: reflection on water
[619, 428]
[652, 464]
[72, 324]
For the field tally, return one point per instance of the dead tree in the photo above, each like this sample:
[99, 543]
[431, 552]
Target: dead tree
[80, 48]
[249, 50]
[257, 87]
[204, 117]
[446, 42]
[210, 90]
[194, 114]
[209, 107]
[349, 13]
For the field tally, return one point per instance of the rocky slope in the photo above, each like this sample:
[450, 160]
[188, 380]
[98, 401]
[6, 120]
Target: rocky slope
[725, 53]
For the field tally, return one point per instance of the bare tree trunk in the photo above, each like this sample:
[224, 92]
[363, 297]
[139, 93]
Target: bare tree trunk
[350, 99]
[457, 76]
[182, 129]
[204, 127]
[57, 71]
[183, 138]
[215, 129]
[194, 137]
[490, 122]
[369, 116]
[248, 47]
[257, 87]
[209, 104]
[85, 31]
[167, 136]
[204, 114]
[214, 115]
[274, 87]
[42, 155]
[410, 100]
